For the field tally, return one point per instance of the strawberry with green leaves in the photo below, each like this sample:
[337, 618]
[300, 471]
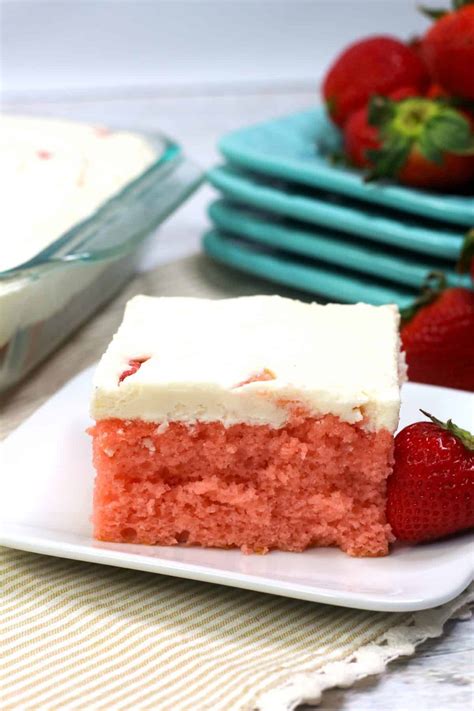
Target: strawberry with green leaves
[438, 336]
[430, 493]
[421, 142]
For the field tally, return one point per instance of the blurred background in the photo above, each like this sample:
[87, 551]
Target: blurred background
[72, 48]
[192, 68]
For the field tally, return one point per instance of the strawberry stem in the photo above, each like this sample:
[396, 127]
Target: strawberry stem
[433, 13]
[434, 284]
[467, 253]
[466, 438]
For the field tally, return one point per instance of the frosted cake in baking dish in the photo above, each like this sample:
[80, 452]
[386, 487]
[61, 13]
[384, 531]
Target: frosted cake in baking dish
[54, 174]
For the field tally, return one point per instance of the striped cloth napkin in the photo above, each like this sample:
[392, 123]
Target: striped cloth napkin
[84, 636]
[90, 637]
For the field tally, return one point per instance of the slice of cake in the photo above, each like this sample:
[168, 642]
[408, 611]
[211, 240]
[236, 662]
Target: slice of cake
[258, 422]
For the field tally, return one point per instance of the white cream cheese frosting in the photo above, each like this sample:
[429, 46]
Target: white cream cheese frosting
[198, 356]
[56, 173]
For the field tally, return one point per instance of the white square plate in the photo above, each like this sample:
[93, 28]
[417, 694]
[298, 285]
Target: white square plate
[45, 504]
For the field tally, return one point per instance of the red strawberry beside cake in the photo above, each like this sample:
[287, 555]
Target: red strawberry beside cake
[257, 422]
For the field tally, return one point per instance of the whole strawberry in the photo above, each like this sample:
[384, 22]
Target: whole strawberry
[438, 337]
[448, 50]
[375, 65]
[420, 142]
[430, 493]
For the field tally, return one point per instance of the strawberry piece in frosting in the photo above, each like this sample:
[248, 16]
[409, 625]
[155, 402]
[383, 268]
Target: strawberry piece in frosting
[135, 364]
[262, 375]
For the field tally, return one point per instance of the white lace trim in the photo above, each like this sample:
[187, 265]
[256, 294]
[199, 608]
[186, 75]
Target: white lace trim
[372, 658]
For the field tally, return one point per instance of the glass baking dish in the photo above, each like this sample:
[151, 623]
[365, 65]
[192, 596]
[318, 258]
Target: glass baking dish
[43, 300]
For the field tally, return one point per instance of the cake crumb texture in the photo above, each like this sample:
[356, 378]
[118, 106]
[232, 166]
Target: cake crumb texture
[314, 482]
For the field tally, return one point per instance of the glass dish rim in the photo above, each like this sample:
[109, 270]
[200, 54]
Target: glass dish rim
[170, 154]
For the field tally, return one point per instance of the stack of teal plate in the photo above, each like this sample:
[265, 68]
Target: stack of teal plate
[290, 215]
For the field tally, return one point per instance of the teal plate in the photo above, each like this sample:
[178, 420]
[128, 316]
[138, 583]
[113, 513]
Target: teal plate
[305, 275]
[296, 148]
[329, 247]
[328, 210]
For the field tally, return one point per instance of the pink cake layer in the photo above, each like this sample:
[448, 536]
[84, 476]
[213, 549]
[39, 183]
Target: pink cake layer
[314, 482]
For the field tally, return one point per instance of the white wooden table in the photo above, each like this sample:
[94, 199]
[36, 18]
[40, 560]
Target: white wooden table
[440, 677]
